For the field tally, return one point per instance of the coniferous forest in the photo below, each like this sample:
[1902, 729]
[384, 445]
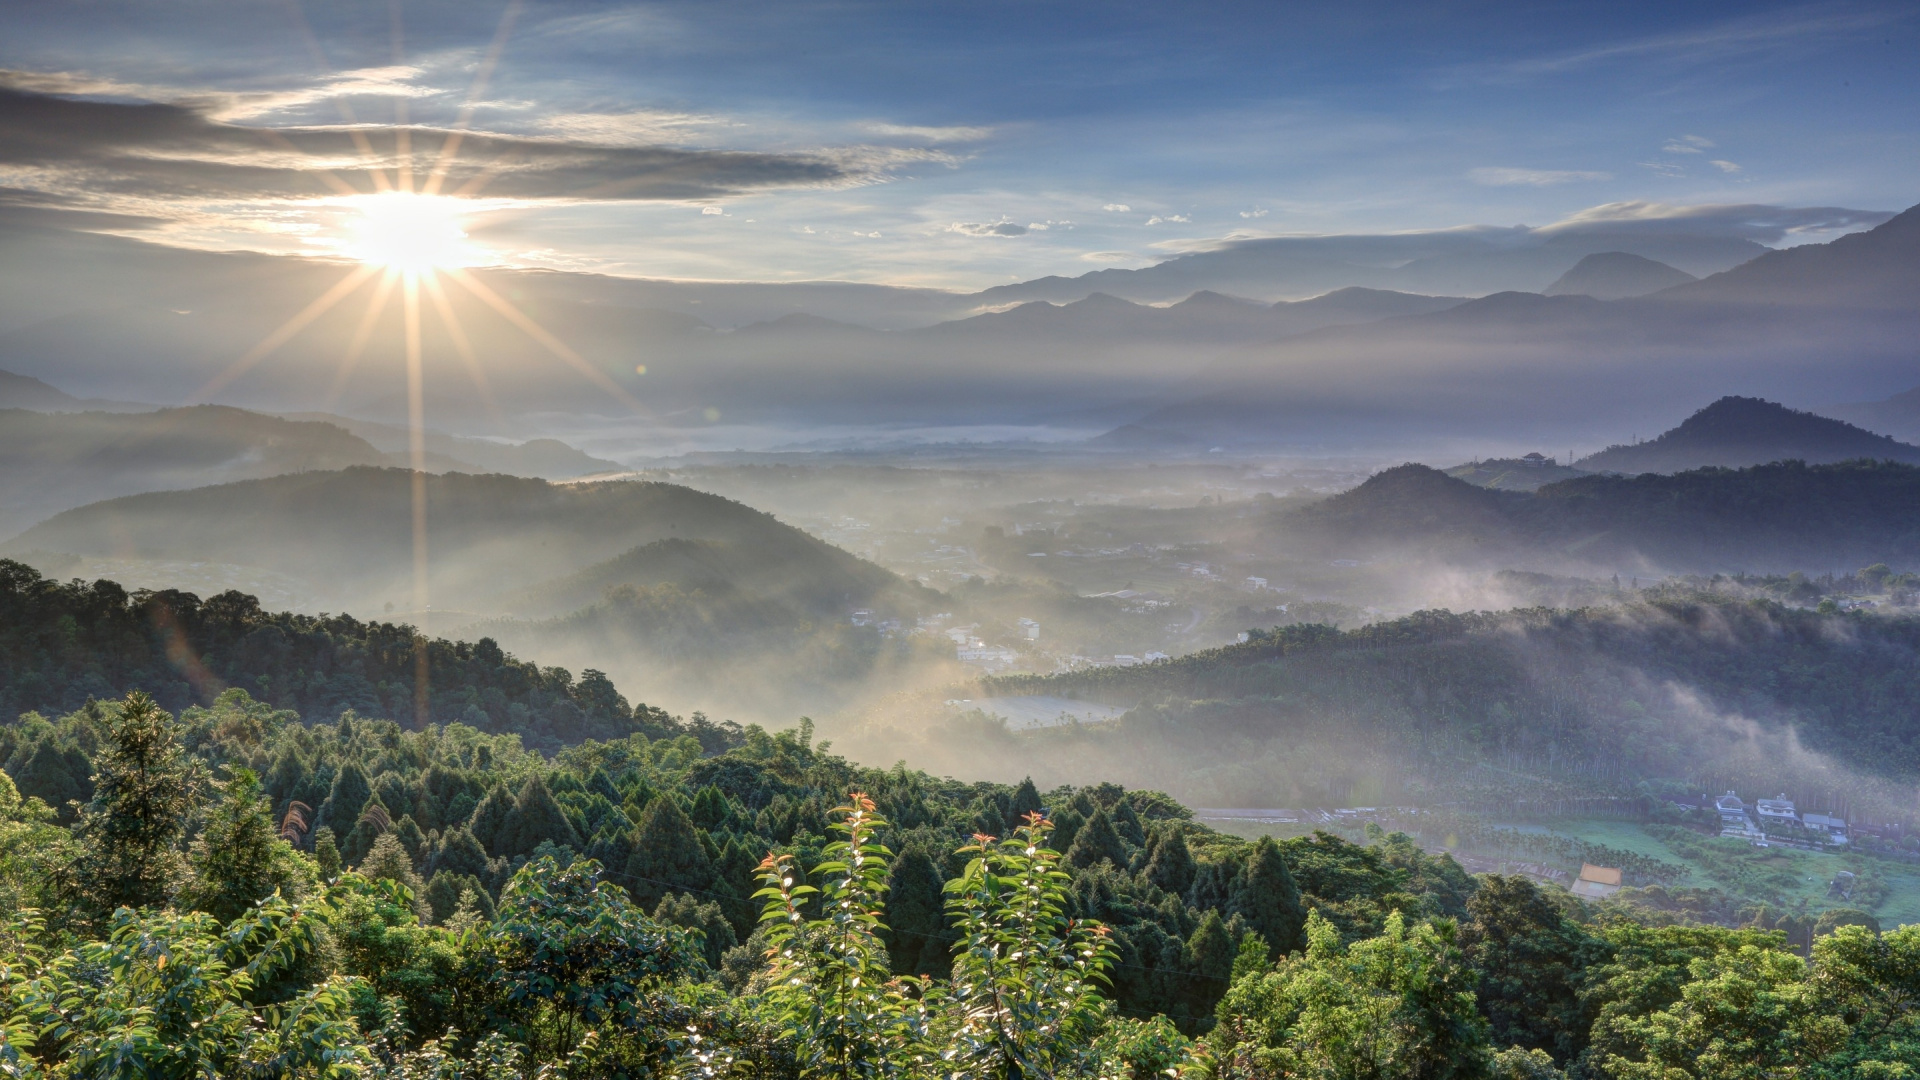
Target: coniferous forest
[227, 888]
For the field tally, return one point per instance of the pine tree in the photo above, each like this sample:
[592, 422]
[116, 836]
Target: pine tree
[238, 860]
[1026, 800]
[667, 855]
[716, 933]
[347, 799]
[445, 891]
[128, 833]
[1127, 823]
[408, 832]
[1171, 866]
[1210, 955]
[459, 853]
[916, 916]
[55, 777]
[535, 817]
[490, 817]
[1097, 840]
[326, 853]
[374, 820]
[1264, 894]
[710, 808]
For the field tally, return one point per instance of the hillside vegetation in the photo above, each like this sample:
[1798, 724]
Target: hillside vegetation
[1780, 517]
[1489, 708]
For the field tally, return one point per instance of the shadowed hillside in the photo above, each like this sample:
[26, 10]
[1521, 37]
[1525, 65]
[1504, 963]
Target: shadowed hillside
[349, 535]
[54, 461]
[1785, 516]
[1738, 431]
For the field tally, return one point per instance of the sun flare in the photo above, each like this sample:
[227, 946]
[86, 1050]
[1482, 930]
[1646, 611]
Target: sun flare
[410, 233]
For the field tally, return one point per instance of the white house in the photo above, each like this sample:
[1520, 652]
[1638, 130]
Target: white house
[1777, 811]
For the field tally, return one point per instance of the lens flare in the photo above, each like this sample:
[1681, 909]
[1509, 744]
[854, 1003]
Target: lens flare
[411, 233]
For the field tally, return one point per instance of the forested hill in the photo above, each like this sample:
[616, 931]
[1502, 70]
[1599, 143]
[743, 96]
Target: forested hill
[1779, 517]
[62, 644]
[1739, 431]
[347, 536]
[1643, 689]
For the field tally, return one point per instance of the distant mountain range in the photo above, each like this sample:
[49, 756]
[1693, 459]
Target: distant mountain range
[1898, 416]
[1736, 431]
[1193, 352]
[1769, 518]
[1789, 325]
[1616, 275]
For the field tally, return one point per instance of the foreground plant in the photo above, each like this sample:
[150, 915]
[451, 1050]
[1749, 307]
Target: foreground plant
[1024, 996]
[830, 983]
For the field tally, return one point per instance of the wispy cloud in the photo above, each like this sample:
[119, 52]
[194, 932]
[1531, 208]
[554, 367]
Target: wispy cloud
[1746, 35]
[988, 228]
[1687, 144]
[1504, 177]
[1157, 219]
[1116, 208]
[1724, 166]
[928, 134]
[1747, 221]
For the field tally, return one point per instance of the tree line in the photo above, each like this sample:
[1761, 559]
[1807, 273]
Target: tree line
[243, 893]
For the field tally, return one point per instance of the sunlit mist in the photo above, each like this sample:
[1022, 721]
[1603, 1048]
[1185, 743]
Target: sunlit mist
[408, 232]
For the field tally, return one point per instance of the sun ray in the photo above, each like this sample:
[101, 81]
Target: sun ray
[552, 344]
[341, 289]
[359, 137]
[461, 345]
[417, 452]
[402, 135]
[450, 150]
[350, 359]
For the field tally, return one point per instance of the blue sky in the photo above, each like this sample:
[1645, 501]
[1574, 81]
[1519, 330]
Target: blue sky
[969, 144]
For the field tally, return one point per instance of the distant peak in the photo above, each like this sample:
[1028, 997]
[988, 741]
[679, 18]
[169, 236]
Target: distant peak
[1617, 275]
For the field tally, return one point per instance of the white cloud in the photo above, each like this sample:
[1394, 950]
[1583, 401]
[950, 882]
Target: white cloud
[1687, 144]
[1109, 256]
[1253, 213]
[929, 134]
[1724, 166]
[714, 210]
[1157, 219]
[1036, 226]
[638, 128]
[1749, 221]
[1116, 208]
[1663, 168]
[1503, 177]
[987, 228]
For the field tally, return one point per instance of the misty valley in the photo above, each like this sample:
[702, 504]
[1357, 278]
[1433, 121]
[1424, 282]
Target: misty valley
[846, 542]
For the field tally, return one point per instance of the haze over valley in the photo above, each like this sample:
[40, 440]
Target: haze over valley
[804, 541]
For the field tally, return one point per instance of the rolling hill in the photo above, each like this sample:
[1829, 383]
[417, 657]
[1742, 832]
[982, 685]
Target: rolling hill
[349, 535]
[54, 461]
[1739, 431]
[1898, 416]
[1780, 517]
[1514, 474]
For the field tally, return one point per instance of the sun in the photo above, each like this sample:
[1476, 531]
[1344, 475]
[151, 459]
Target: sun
[414, 234]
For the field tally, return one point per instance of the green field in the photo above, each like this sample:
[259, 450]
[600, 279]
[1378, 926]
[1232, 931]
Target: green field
[1792, 876]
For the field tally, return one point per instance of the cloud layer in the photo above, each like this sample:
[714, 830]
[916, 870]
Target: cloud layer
[147, 159]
